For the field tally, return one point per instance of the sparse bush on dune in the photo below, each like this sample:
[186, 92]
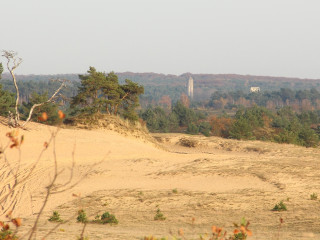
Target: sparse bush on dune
[281, 206]
[159, 216]
[106, 218]
[82, 216]
[55, 217]
[314, 196]
[186, 142]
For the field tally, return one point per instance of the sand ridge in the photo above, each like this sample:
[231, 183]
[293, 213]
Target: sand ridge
[218, 181]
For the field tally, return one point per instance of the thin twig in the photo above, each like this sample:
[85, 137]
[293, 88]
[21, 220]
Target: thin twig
[34, 228]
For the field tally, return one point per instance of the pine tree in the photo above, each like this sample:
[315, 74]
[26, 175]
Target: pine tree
[7, 101]
[103, 93]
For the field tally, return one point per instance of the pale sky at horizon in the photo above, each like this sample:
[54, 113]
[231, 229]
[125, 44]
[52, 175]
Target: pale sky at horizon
[256, 37]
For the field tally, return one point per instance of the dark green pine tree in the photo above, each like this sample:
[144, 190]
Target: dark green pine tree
[103, 93]
[90, 97]
[129, 99]
[7, 102]
[111, 92]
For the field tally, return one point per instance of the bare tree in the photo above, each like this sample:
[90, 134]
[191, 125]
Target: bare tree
[13, 61]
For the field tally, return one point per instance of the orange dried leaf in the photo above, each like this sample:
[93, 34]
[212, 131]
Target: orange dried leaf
[214, 229]
[249, 233]
[61, 114]
[6, 227]
[236, 231]
[12, 146]
[243, 229]
[15, 143]
[16, 222]
[43, 117]
[219, 230]
[180, 232]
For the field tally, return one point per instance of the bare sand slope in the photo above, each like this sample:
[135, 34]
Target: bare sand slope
[214, 182]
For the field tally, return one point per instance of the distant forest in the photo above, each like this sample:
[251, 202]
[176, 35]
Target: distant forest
[286, 110]
[220, 91]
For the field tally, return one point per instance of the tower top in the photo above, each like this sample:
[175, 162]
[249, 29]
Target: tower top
[190, 87]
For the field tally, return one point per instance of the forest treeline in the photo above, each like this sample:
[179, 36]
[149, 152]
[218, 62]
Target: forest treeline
[285, 115]
[299, 100]
[253, 123]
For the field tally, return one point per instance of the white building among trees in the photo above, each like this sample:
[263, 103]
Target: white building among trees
[254, 89]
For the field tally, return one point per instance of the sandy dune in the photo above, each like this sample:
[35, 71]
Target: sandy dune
[217, 182]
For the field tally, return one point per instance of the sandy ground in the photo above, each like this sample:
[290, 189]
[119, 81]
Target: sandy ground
[216, 182]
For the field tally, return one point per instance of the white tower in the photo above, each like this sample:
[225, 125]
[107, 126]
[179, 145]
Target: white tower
[190, 87]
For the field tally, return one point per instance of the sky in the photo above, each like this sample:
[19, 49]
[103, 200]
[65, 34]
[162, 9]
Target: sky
[255, 37]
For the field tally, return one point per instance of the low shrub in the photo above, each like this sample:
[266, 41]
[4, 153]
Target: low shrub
[108, 218]
[314, 196]
[159, 216]
[280, 207]
[55, 217]
[82, 216]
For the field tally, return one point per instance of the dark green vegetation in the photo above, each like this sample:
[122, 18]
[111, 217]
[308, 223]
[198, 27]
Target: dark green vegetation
[280, 207]
[254, 123]
[179, 119]
[298, 100]
[314, 196]
[50, 108]
[7, 101]
[96, 93]
[103, 93]
[106, 218]
[55, 217]
[1, 70]
[159, 216]
[82, 216]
